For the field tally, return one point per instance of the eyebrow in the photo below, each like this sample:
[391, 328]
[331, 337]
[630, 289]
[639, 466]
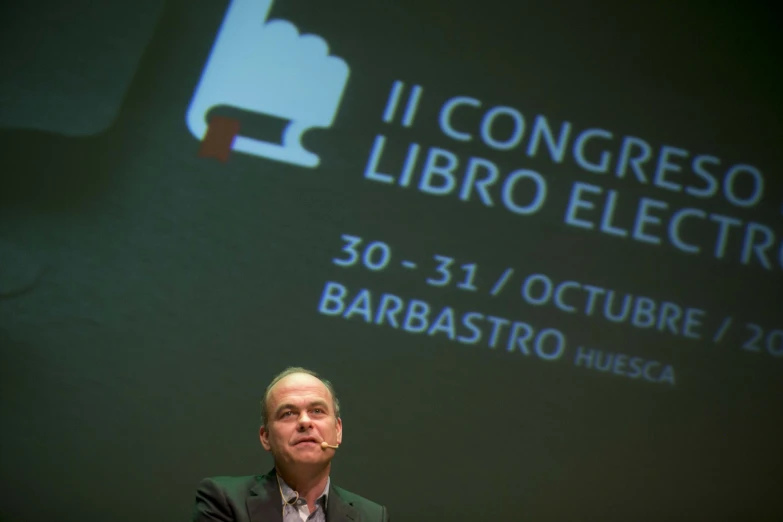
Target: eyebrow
[289, 406]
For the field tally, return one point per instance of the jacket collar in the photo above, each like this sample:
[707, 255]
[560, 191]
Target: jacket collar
[340, 510]
[265, 503]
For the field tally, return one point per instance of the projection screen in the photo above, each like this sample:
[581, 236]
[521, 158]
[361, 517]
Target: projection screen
[537, 247]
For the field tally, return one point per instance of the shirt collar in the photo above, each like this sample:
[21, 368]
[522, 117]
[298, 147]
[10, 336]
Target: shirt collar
[289, 494]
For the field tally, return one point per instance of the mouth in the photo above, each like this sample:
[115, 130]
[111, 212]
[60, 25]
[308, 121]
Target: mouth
[309, 440]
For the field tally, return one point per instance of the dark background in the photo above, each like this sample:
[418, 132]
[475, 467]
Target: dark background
[148, 295]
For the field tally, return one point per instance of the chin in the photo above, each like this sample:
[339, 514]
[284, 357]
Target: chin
[311, 459]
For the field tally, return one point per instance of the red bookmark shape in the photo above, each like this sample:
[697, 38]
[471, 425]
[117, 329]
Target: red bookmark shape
[219, 138]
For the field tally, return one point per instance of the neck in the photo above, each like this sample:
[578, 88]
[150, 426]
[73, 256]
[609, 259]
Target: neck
[307, 482]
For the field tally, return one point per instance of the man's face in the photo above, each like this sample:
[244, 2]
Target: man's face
[301, 416]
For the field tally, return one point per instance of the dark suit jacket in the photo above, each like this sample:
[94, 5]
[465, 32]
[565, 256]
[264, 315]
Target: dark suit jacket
[257, 499]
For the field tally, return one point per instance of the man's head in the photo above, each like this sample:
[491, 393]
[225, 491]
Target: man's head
[299, 411]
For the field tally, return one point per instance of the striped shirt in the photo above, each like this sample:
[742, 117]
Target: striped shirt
[298, 511]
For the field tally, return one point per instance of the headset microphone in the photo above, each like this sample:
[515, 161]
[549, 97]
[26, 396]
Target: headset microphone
[325, 445]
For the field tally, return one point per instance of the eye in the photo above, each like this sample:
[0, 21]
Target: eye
[318, 410]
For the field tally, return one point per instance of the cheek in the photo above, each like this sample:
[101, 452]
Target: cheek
[278, 435]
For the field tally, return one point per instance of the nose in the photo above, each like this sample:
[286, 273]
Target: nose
[304, 422]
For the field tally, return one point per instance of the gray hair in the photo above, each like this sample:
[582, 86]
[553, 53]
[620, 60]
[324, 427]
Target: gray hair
[290, 371]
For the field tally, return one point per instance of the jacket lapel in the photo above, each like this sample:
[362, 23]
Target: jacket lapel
[339, 510]
[265, 503]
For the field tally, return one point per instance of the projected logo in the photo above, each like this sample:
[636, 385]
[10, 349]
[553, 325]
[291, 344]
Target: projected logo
[265, 68]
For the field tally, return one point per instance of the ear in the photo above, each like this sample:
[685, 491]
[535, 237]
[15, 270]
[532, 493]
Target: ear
[263, 436]
[339, 430]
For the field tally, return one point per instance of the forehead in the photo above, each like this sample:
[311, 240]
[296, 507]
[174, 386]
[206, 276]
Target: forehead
[298, 387]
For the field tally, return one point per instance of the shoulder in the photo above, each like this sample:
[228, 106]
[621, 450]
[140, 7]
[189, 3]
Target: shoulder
[225, 497]
[370, 509]
[229, 482]
[229, 489]
[230, 486]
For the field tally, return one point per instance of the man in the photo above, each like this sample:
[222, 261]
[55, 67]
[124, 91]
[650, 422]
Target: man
[300, 412]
